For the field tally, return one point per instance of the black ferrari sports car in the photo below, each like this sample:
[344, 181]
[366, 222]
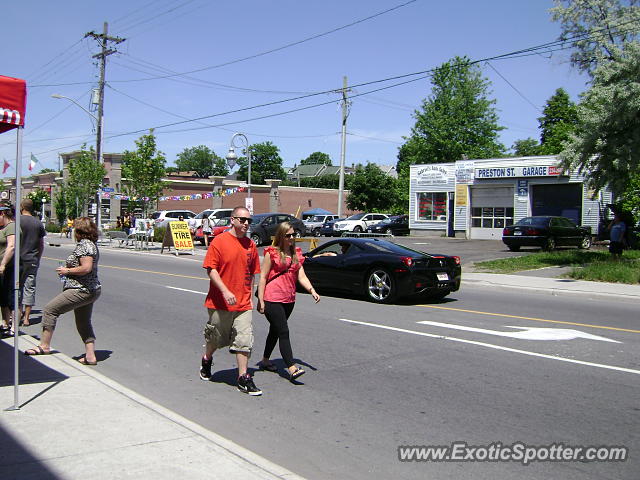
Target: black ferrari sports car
[381, 270]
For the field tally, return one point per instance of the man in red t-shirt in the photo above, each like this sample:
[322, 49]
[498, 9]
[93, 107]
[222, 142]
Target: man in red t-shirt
[231, 263]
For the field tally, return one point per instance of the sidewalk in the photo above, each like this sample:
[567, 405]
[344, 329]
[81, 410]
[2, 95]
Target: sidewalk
[554, 286]
[74, 423]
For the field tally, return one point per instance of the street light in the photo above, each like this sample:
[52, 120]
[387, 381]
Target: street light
[232, 158]
[99, 123]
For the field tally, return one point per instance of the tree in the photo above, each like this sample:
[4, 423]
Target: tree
[559, 121]
[526, 148]
[606, 146]
[457, 119]
[317, 158]
[39, 196]
[265, 163]
[85, 177]
[144, 169]
[598, 29]
[203, 161]
[60, 206]
[371, 190]
[47, 170]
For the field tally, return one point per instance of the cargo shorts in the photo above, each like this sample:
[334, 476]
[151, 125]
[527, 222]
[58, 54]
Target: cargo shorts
[229, 329]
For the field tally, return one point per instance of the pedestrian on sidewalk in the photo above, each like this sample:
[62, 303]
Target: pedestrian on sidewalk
[80, 290]
[31, 248]
[282, 269]
[617, 231]
[7, 248]
[231, 262]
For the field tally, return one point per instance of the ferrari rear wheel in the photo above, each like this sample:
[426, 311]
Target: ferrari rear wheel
[380, 286]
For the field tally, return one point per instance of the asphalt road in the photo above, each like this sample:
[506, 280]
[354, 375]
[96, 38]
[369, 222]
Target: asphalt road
[377, 379]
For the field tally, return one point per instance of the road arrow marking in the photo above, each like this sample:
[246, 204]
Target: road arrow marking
[527, 333]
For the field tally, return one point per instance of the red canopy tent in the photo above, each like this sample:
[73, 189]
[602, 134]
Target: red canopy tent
[13, 106]
[13, 103]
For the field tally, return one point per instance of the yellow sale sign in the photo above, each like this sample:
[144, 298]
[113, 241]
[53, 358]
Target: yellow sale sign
[181, 235]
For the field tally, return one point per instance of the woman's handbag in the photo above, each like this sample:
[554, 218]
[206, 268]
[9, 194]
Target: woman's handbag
[275, 276]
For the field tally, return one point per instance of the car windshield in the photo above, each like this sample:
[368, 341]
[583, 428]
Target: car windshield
[357, 216]
[536, 221]
[316, 218]
[203, 214]
[155, 215]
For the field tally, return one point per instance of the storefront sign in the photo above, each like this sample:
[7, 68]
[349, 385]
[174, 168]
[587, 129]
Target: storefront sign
[432, 175]
[462, 199]
[464, 172]
[515, 172]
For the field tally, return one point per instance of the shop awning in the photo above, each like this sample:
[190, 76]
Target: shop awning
[13, 103]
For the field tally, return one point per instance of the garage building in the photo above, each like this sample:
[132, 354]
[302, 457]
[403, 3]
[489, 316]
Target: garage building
[478, 198]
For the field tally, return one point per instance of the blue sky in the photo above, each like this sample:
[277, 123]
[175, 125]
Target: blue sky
[44, 44]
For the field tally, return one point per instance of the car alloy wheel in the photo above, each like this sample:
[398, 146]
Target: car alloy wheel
[357, 229]
[380, 286]
[388, 231]
[316, 232]
[297, 234]
[586, 242]
[256, 239]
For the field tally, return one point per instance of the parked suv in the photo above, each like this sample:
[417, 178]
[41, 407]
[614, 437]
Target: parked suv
[359, 222]
[264, 226]
[213, 214]
[163, 217]
[314, 224]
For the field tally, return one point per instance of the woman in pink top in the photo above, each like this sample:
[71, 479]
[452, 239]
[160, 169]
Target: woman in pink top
[281, 269]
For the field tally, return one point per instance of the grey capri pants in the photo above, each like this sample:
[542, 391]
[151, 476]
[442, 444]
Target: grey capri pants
[80, 302]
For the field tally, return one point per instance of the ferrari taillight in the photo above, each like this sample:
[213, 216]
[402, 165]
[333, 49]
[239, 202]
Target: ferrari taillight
[408, 261]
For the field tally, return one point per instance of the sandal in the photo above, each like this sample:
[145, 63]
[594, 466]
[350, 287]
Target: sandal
[298, 372]
[32, 352]
[84, 361]
[269, 367]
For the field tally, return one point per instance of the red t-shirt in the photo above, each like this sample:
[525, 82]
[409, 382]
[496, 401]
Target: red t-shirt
[283, 288]
[236, 261]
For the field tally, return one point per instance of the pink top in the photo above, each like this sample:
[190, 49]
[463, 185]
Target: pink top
[283, 288]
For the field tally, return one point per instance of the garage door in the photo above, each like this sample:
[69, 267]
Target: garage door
[558, 200]
[491, 211]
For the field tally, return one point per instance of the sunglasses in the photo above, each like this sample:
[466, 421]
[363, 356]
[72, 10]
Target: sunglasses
[244, 220]
[290, 235]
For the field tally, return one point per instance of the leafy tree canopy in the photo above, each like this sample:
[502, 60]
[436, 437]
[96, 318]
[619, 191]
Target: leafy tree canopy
[266, 162]
[457, 119]
[598, 29]
[559, 121]
[39, 196]
[144, 168]
[203, 161]
[371, 190]
[317, 158]
[607, 144]
[528, 147]
[85, 176]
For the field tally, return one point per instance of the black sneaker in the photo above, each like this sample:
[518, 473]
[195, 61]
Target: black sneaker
[246, 385]
[205, 369]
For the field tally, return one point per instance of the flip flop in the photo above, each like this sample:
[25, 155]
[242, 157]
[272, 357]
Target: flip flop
[32, 352]
[83, 361]
[298, 373]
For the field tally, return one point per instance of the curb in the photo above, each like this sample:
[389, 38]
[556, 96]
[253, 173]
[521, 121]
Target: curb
[231, 447]
[556, 292]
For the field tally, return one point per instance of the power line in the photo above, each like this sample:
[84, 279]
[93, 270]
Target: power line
[514, 88]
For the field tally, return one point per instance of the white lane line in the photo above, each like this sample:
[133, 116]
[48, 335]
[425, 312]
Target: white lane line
[186, 290]
[496, 347]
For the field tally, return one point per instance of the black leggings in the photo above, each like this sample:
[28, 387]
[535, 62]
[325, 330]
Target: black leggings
[277, 315]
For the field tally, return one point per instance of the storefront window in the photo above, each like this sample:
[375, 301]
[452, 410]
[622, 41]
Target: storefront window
[490, 217]
[432, 206]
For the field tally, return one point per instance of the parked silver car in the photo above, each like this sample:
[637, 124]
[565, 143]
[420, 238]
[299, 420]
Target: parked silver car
[314, 224]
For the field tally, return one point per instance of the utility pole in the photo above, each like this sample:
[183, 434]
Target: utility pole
[103, 39]
[343, 147]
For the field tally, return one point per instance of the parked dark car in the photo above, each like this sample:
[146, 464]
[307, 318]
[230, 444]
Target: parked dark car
[264, 226]
[546, 233]
[381, 270]
[328, 230]
[396, 225]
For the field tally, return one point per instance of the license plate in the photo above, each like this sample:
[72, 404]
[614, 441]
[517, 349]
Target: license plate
[442, 276]
[517, 233]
